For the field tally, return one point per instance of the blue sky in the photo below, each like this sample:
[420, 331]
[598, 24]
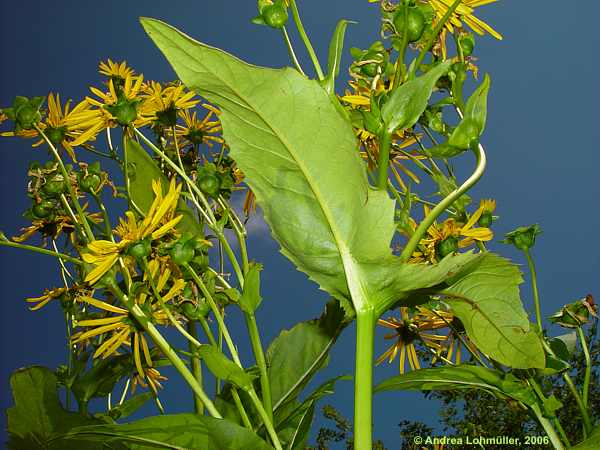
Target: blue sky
[542, 145]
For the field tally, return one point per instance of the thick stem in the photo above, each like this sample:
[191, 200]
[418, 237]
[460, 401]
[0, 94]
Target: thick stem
[534, 286]
[196, 367]
[306, 40]
[588, 367]
[548, 428]
[265, 418]
[363, 380]
[384, 159]
[445, 203]
[261, 362]
[167, 350]
[241, 409]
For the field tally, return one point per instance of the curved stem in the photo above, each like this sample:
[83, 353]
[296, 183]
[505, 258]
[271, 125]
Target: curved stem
[43, 251]
[363, 380]
[261, 362]
[306, 40]
[290, 48]
[534, 286]
[445, 203]
[588, 367]
[167, 350]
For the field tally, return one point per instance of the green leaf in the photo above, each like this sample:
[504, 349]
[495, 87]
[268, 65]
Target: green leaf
[564, 345]
[180, 431]
[38, 418]
[487, 302]
[409, 100]
[129, 406]
[297, 354]
[100, 380]
[338, 230]
[250, 299]
[476, 108]
[336, 47]
[223, 368]
[461, 377]
[142, 171]
[591, 443]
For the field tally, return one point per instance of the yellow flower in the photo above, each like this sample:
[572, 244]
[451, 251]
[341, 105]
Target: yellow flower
[119, 329]
[61, 126]
[159, 221]
[163, 104]
[119, 105]
[408, 330]
[464, 13]
[115, 71]
[204, 131]
[46, 298]
[487, 205]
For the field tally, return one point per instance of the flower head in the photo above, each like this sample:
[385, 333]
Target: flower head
[117, 72]
[159, 221]
[200, 131]
[161, 105]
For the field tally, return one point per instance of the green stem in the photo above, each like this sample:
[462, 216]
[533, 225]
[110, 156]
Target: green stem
[363, 380]
[265, 418]
[241, 409]
[398, 77]
[548, 428]
[43, 251]
[84, 222]
[261, 362]
[434, 36]
[290, 48]
[445, 203]
[385, 142]
[196, 367]
[587, 422]
[306, 40]
[562, 433]
[588, 367]
[534, 286]
[167, 350]
[106, 219]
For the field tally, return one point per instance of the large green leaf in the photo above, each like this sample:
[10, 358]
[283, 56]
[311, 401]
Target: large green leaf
[591, 443]
[179, 431]
[486, 300]
[297, 354]
[300, 156]
[38, 418]
[142, 170]
[461, 377]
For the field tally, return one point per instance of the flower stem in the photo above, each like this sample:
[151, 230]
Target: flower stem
[363, 380]
[588, 367]
[398, 77]
[265, 418]
[167, 350]
[240, 407]
[86, 226]
[290, 48]
[534, 286]
[306, 40]
[259, 355]
[548, 428]
[445, 203]
[385, 143]
[196, 367]
[43, 251]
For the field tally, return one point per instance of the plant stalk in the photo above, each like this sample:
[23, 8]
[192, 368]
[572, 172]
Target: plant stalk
[385, 143]
[548, 428]
[588, 367]
[534, 286]
[196, 366]
[43, 251]
[259, 355]
[363, 380]
[306, 40]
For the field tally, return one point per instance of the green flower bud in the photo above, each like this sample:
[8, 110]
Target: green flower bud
[486, 219]
[523, 237]
[55, 135]
[415, 23]
[54, 187]
[182, 252]
[195, 311]
[89, 182]
[576, 314]
[43, 210]
[124, 111]
[447, 246]
[467, 44]
[140, 249]
[209, 183]
[275, 15]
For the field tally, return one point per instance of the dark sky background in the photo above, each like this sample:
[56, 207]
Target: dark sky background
[541, 142]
